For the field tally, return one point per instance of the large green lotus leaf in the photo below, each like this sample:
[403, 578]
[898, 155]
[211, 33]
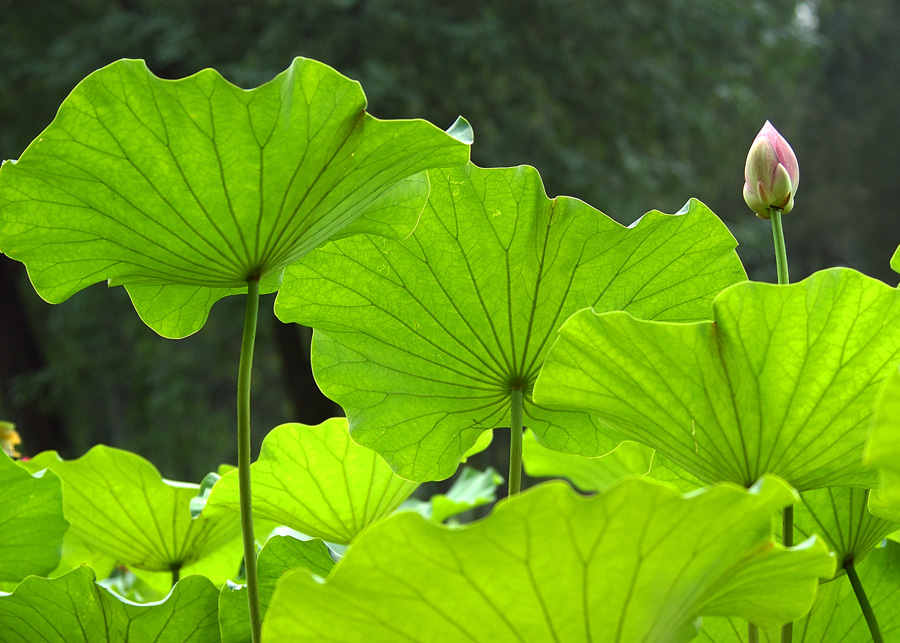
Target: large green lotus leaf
[279, 555]
[635, 563]
[588, 474]
[184, 190]
[841, 517]
[783, 381]
[883, 450]
[422, 340]
[74, 609]
[316, 480]
[120, 507]
[836, 616]
[31, 522]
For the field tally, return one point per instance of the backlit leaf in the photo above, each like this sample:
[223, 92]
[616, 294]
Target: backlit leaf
[184, 190]
[31, 521]
[635, 563]
[836, 615]
[316, 480]
[883, 450]
[119, 506]
[422, 340]
[783, 381]
[74, 609]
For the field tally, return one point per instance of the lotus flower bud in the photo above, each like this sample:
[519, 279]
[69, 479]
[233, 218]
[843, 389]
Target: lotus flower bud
[771, 175]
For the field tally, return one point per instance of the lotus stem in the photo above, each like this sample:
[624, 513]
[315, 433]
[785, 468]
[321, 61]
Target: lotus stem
[781, 263]
[515, 442]
[246, 365]
[863, 600]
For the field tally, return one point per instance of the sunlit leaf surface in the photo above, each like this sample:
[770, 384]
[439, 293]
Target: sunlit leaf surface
[184, 190]
[119, 506]
[783, 381]
[31, 522]
[74, 609]
[836, 616]
[636, 563]
[883, 450]
[316, 480]
[422, 340]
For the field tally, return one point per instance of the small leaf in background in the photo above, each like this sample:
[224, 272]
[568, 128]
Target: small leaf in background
[883, 450]
[279, 555]
[635, 563]
[588, 474]
[74, 609]
[421, 340]
[895, 260]
[32, 525]
[316, 480]
[783, 381]
[121, 508]
[836, 615]
[472, 488]
[183, 190]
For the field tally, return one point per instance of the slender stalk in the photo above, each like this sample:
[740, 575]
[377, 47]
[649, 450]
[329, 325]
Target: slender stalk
[515, 442]
[176, 575]
[752, 633]
[787, 539]
[243, 405]
[863, 600]
[781, 263]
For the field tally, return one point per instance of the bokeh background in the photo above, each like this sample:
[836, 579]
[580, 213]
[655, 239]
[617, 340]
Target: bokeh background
[629, 105]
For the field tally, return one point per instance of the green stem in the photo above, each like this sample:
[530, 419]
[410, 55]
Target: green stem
[752, 633]
[781, 263]
[863, 600]
[243, 405]
[176, 575]
[787, 539]
[515, 442]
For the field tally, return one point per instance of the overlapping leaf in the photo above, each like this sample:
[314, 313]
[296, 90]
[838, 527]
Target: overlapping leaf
[588, 474]
[119, 507]
[783, 381]
[185, 190]
[316, 480]
[841, 516]
[636, 563]
[422, 340]
[883, 450]
[74, 609]
[836, 615]
[895, 260]
[279, 555]
[31, 522]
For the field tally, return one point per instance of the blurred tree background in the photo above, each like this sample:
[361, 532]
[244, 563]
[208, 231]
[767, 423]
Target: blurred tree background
[630, 106]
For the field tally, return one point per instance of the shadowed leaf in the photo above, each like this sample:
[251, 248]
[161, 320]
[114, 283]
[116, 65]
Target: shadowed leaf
[31, 522]
[74, 609]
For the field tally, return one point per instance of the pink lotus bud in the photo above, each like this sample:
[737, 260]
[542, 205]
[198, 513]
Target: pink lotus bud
[772, 174]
